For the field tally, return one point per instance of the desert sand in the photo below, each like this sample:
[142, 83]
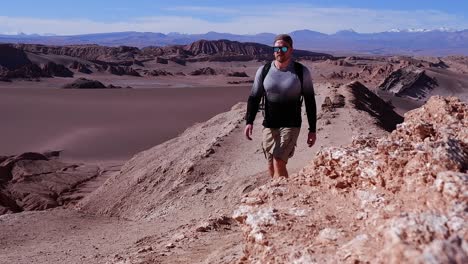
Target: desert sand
[104, 125]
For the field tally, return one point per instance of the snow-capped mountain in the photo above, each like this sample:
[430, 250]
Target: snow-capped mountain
[419, 30]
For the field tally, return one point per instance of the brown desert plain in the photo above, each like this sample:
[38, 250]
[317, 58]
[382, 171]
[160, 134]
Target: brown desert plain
[127, 155]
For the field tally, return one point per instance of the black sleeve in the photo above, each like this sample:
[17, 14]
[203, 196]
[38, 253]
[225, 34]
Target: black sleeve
[309, 99]
[255, 97]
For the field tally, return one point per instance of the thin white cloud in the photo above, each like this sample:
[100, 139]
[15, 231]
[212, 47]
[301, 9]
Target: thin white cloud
[204, 10]
[248, 21]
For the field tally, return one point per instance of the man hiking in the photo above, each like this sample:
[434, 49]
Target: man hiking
[281, 84]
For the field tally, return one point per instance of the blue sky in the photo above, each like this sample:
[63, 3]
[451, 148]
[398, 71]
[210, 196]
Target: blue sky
[65, 17]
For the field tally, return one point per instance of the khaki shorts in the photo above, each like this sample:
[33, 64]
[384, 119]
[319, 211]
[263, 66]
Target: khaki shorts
[279, 142]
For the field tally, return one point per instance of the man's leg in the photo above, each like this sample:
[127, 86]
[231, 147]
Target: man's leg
[268, 142]
[271, 168]
[280, 168]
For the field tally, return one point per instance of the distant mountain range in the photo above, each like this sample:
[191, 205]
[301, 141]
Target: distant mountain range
[438, 42]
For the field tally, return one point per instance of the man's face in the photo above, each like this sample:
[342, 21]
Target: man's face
[281, 56]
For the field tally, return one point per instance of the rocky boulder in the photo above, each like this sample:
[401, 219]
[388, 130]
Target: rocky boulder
[83, 83]
[204, 71]
[237, 74]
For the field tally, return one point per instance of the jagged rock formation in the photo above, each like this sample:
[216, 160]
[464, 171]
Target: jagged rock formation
[344, 75]
[363, 106]
[161, 60]
[54, 69]
[367, 101]
[80, 67]
[35, 181]
[16, 58]
[158, 72]
[379, 72]
[408, 81]
[86, 52]
[83, 83]
[224, 50]
[27, 72]
[12, 58]
[120, 70]
[204, 71]
[14, 63]
[339, 62]
[401, 198]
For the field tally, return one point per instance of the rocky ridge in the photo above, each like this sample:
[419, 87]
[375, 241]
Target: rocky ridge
[408, 81]
[86, 52]
[401, 198]
[357, 100]
[155, 178]
[224, 50]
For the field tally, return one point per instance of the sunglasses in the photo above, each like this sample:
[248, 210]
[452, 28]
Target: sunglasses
[282, 49]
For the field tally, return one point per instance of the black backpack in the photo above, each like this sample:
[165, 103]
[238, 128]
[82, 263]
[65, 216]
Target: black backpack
[298, 68]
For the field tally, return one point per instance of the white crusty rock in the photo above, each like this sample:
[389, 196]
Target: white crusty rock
[401, 198]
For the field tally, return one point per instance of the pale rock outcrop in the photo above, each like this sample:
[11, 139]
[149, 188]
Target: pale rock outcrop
[401, 198]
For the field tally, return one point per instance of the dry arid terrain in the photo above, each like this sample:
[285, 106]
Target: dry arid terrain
[127, 155]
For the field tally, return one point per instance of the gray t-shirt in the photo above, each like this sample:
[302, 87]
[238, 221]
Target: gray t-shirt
[283, 92]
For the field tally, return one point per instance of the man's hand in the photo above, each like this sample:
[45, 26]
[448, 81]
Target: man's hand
[248, 131]
[311, 137]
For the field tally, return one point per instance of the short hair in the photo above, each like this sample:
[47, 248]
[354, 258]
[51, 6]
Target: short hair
[284, 37]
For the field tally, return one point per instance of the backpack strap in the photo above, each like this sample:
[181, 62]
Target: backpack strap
[299, 69]
[265, 70]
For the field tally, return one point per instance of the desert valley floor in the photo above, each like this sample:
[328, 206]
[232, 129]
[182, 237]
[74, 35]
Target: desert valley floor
[154, 167]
